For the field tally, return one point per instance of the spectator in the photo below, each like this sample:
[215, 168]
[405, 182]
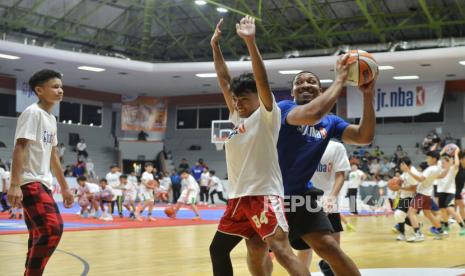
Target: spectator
[81, 148]
[399, 153]
[183, 166]
[142, 136]
[386, 166]
[202, 163]
[176, 186]
[197, 171]
[79, 169]
[365, 161]
[68, 171]
[377, 152]
[90, 169]
[61, 152]
[375, 167]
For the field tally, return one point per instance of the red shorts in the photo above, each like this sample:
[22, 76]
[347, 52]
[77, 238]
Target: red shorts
[245, 216]
[421, 202]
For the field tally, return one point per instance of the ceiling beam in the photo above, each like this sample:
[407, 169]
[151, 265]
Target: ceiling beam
[308, 12]
[371, 21]
[149, 11]
[435, 25]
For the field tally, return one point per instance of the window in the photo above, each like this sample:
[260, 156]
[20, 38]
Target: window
[70, 113]
[7, 105]
[207, 115]
[186, 118]
[91, 115]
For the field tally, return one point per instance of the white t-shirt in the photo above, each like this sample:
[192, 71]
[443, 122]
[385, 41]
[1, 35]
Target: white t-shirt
[113, 181]
[447, 184]
[93, 188]
[333, 160]
[81, 146]
[251, 154]
[190, 184]
[165, 183]
[40, 128]
[90, 166]
[375, 168]
[146, 176]
[204, 179]
[409, 181]
[355, 179]
[130, 189]
[132, 179]
[6, 177]
[426, 187]
[216, 184]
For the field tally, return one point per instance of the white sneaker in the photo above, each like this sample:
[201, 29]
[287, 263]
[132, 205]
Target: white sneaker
[417, 237]
[401, 237]
[108, 218]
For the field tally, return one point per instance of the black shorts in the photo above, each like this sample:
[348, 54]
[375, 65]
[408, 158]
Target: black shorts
[335, 219]
[446, 200]
[458, 192]
[404, 204]
[303, 221]
[435, 191]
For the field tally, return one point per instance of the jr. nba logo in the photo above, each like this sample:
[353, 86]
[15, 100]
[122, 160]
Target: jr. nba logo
[420, 96]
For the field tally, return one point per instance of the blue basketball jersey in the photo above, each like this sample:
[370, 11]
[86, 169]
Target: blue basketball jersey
[300, 148]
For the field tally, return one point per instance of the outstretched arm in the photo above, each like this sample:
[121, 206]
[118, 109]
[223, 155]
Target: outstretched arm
[222, 72]
[312, 112]
[363, 133]
[246, 30]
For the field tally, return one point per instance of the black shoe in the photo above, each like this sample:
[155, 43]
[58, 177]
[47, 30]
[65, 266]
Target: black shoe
[325, 268]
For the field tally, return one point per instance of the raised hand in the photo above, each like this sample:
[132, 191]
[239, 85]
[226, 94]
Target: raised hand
[246, 28]
[369, 88]
[342, 68]
[217, 34]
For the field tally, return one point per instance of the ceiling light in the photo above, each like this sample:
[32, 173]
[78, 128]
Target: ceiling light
[290, 72]
[326, 81]
[385, 67]
[406, 77]
[221, 10]
[90, 68]
[462, 62]
[200, 2]
[8, 56]
[206, 75]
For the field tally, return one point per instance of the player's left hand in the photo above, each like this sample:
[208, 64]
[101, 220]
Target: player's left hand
[68, 198]
[246, 28]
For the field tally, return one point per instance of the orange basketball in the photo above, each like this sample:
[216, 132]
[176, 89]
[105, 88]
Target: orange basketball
[363, 69]
[395, 183]
[152, 184]
[170, 212]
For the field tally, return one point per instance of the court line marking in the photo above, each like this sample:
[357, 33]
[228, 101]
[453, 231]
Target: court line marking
[85, 264]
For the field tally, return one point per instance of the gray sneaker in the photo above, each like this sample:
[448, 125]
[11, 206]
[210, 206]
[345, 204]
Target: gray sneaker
[401, 237]
[417, 237]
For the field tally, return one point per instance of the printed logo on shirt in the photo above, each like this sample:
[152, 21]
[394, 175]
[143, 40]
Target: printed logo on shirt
[311, 131]
[48, 137]
[325, 167]
[239, 129]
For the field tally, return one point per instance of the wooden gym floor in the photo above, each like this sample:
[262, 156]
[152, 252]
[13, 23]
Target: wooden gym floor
[165, 251]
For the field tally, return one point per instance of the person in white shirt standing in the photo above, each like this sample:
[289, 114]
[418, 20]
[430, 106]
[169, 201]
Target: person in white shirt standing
[204, 183]
[3, 190]
[423, 198]
[146, 191]
[189, 194]
[216, 188]
[356, 178]
[34, 156]
[113, 180]
[329, 177]
[446, 190]
[255, 207]
[81, 149]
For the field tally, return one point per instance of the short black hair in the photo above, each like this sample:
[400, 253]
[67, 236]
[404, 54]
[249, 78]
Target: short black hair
[113, 166]
[104, 180]
[123, 176]
[148, 164]
[185, 171]
[433, 154]
[405, 160]
[243, 84]
[306, 72]
[81, 178]
[423, 165]
[42, 77]
[212, 172]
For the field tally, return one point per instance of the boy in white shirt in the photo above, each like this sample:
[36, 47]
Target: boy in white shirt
[423, 198]
[189, 194]
[113, 180]
[204, 183]
[216, 188]
[130, 194]
[84, 196]
[106, 198]
[356, 178]
[146, 192]
[34, 156]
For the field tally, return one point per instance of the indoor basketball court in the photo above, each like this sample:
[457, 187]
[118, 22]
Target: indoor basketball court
[147, 137]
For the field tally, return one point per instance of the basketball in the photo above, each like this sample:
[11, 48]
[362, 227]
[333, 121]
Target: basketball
[394, 184]
[170, 212]
[152, 184]
[450, 149]
[363, 69]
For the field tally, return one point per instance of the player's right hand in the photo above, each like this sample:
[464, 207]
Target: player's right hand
[15, 196]
[217, 34]
[342, 68]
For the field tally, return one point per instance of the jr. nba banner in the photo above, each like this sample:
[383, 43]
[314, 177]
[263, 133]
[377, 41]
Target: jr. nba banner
[25, 97]
[144, 113]
[409, 99]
